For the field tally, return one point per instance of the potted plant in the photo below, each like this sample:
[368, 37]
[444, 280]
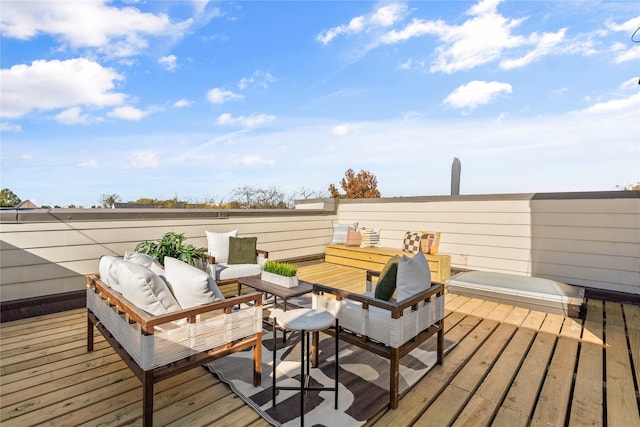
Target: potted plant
[172, 245]
[280, 273]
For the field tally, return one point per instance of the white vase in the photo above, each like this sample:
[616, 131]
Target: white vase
[276, 279]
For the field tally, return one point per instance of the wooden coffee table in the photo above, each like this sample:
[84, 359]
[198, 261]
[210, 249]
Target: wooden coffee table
[277, 291]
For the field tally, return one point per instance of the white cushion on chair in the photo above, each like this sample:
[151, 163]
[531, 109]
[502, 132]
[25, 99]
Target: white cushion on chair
[108, 268]
[218, 244]
[414, 276]
[147, 260]
[234, 271]
[190, 285]
[145, 289]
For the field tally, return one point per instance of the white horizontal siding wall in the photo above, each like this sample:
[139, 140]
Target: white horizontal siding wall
[592, 241]
[51, 257]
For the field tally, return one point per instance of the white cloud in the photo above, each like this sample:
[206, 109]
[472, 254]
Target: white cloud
[169, 62]
[475, 94]
[249, 122]
[10, 127]
[631, 103]
[182, 103]
[142, 159]
[544, 45]
[88, 164]
[92, 24]
[220, 96]
[477, 41]
[26, 157]
[256, 160]
[73, 116]
[127, 112]
[630, 54]
[383, 16]
[389, 14]
[628, 26]
[49, 85]
[259, 78]
[345, 129]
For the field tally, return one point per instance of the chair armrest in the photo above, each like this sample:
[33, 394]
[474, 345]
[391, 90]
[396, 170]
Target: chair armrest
[395, 308]
[370, 275]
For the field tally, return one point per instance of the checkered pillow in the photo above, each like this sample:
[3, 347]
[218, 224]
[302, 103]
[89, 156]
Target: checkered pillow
[412, 242]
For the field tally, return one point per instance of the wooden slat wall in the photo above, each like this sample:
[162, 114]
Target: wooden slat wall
[45, 258]
[591, 240]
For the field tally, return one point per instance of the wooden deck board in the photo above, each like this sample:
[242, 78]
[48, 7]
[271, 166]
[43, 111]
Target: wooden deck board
[622, 403]
[510, 367]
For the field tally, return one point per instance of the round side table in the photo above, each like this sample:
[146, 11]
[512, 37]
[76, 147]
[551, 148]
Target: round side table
[305, 320]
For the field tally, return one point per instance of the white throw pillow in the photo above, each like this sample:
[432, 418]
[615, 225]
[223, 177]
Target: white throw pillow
[108, 269]
[190, 285]
[413, 277]
[147, 260]
[340, 232]
[145, 289]
[218, 244]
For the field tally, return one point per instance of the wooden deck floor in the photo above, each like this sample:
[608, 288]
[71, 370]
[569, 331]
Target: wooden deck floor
[511, 367]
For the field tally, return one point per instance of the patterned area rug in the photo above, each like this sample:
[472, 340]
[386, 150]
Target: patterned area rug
[363, 380]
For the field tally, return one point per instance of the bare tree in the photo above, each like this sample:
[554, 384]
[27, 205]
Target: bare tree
[249, 197]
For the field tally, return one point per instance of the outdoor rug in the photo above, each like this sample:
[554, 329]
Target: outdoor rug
[363, 380]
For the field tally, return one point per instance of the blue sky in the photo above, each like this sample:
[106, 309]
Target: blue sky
[161, 98]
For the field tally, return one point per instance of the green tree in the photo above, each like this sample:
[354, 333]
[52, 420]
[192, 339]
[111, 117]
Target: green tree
[108, 200]
[8, 198]
[363, 185]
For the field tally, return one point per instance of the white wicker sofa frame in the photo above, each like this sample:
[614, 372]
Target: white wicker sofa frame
[386, 328]
[158, 347]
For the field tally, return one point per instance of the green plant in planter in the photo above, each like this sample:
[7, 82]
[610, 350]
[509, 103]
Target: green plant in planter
[172, 245]
[280, 268]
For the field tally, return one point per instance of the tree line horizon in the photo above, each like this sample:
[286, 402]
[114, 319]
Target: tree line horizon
[359, 185]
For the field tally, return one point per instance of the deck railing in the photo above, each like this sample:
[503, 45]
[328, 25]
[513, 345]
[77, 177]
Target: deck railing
[590, 239]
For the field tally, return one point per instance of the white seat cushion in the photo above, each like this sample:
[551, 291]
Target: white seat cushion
[218, 244]
[145, 289]
[234, 271]
[190, 285]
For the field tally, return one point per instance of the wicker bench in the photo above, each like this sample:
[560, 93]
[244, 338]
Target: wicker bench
[158, 347]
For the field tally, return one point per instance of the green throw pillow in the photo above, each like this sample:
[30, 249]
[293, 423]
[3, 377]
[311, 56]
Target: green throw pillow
[242, 250]
[386, 285]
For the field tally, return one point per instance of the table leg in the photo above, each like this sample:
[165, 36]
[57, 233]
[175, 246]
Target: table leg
[302, 378]
[337, 363]
[273, 374]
